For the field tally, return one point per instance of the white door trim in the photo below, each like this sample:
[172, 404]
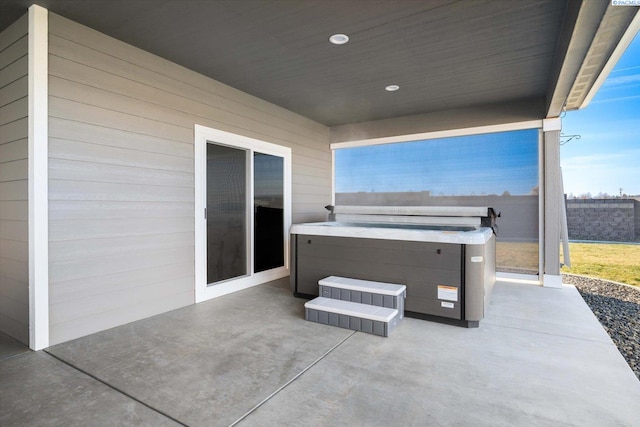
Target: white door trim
[202, 135]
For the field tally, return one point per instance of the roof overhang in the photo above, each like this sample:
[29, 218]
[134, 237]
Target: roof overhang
[450, 58]
[594, 36]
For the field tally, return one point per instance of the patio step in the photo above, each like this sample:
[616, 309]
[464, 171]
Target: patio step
[352, 315]
[390, 295]
[359, 305]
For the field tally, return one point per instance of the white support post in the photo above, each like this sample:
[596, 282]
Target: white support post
[552, 205]
[38, 153]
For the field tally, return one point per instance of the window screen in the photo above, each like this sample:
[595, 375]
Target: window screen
[498, 170]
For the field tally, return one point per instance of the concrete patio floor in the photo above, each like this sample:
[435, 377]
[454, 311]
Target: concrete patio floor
[540, 357]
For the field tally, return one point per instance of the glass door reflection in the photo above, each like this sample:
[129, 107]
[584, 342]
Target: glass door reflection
[268, 179]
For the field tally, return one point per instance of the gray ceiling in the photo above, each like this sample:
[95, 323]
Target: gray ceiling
[443, 53]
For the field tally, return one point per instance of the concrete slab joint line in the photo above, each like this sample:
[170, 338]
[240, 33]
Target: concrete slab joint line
[282, 387]
[164, 414]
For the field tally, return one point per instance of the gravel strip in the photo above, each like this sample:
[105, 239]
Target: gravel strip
[617, 307]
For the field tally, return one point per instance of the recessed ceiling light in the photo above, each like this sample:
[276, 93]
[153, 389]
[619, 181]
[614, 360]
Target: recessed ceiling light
[392, 88]
[339, 38]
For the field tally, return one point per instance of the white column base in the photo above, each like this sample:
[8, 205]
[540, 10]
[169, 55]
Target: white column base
[552, 281]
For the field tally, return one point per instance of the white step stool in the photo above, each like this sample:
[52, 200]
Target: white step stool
[352, 315]
[359, 305]
[391, 295]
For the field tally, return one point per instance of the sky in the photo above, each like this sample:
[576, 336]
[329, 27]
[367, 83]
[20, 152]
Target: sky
[606, 158]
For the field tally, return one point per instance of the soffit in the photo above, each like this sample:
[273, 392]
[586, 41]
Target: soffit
[444, 54]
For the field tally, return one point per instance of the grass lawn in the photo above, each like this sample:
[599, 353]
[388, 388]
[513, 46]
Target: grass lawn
[617, 262]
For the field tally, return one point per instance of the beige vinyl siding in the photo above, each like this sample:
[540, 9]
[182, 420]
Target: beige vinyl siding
[121, 175]
[14, 169]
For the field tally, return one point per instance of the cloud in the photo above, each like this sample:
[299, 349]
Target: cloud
[605, 173]
[622, 80]
[616, 160]
[625, 69]
[621, 98]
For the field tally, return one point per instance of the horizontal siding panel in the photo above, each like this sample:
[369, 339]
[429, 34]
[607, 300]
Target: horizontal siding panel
[188, 100]
[14, 171]
[16, 270]
[13, 309]
[82, 171]
[14, 91]
[14, 190]
[74, 250]
[14, 230]
[311, 198]
[69, 290]
[85, 132]
[81, 209]
[299, 170]
[14, 131]
[16, 150]
[14, 250]
[71, 110]
[17, 211]
[89, 305]
[86, 268]
[102, 228]
[312, 157]
[14, 32]
[313, 207]
[73, 190]
[66, 29]
[14, 111]
[308, 217]
[17, 290]
[17, 330]
[14, 253]
[316, 199]
[15, 51]
[148, 306]
[71, 91]
[14, 71]
[86, 152]
[324, 181]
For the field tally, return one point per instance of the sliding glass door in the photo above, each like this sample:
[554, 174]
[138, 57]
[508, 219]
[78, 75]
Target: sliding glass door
[243, 190]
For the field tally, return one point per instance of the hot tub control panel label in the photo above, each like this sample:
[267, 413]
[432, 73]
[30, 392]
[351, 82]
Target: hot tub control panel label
[447, 293]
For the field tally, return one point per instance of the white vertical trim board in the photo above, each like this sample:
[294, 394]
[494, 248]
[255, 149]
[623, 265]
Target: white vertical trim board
[541, 190]
[553, 281]
[202, 136]
[333, 177]
[38, 178]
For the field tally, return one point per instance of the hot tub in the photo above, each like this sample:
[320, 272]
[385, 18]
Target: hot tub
[445, 257]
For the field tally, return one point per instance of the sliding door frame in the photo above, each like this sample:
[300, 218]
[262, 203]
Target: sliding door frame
[204, 135]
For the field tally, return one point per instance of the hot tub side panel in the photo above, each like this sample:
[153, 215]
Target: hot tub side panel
[479, 278]
[421, 266]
